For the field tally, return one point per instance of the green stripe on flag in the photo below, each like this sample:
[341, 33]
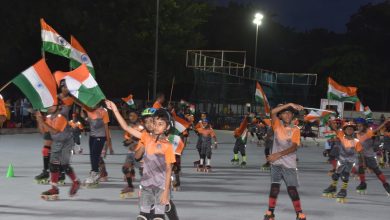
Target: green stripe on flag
[332, 96]
[56, 49]
[23, 84]
[74, 64]
[90, 96]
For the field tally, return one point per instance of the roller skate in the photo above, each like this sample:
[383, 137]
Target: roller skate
[103, 177]
[200, 168]
[208, 169]
[387, 188]
[51, 194]
[74, 188]
[361, 188]
[329, 192]
[92, 181]
[196, 163]
[61, 179]
[243, 164]
[42, 178]
[301, 216]
[265, 167]
[127, 192]
[269, 216]
[341, 196]
[235, 161]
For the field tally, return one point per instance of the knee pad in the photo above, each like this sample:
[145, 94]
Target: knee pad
[46, 151]
[54, 168]
[67, 169]
[361, 170]
[159, 217]
[335, 176]
[275, 188]
[345, 177]
[125, 170]
[293, 193]
[377, 171]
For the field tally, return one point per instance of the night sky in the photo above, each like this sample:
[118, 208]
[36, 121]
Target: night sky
[308, 14]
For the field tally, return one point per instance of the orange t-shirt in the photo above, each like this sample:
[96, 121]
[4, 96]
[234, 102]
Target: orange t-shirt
[160, 147]
[287, 133]
[59, 122]
[349, 143]
[206, 132]
[157, 105]
[2, 107]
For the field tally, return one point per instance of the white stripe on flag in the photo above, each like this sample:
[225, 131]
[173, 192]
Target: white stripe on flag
[179, 127]
[44, 93]
[80, 57]
[49, 36]
[90, 82]
[73, 85]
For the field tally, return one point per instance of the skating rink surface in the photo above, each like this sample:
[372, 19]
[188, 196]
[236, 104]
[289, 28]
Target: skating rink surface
[228, 192]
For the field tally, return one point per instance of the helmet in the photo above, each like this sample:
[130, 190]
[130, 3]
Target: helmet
[349, 124]
[148, 112]
[361, 121]
[206, 120]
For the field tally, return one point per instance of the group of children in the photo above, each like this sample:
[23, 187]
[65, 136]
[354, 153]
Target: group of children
[353, 145]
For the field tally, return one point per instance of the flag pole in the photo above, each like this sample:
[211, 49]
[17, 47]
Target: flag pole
[170, 97]
[7, 84]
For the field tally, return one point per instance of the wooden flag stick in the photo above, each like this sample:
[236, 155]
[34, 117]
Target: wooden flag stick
[317, 109]
[7, 84]
[170, 97]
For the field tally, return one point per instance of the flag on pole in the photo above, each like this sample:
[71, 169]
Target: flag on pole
[81, 85]
[129, 100]
[367, 112]
[261, 98]
[180, 124]
[38, 84]
[318, 115]
[341, 93]
[78, 56]
[177, 142]
[52, 42]
[359, 106]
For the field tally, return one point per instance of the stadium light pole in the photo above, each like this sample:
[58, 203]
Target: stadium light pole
[257, 22]
[156, 52]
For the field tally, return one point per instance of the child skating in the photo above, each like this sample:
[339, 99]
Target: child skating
[241, 135]
[347, 147]
[283, 158]
[207, 134]
[366, 137]
[158, 155]
[61, 134]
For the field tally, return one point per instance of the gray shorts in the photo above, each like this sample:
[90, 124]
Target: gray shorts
[344, 167]
[370, 162]
[61, 151]
[288, 175]
[151, 196]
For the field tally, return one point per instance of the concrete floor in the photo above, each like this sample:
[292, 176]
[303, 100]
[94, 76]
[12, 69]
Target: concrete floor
[229, 192]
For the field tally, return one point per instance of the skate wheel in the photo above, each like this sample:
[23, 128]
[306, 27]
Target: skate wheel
[177, 188]
[50, 198]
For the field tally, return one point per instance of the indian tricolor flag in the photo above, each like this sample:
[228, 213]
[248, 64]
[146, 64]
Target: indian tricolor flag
[78, 56]
[180, 124]
[129, 100]
[318, 115]
[38, 84]
[367, 112]
[177, 142]
[81, 85]
[341, 93]
[359, 107]
[52, 42]
[261, 98]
